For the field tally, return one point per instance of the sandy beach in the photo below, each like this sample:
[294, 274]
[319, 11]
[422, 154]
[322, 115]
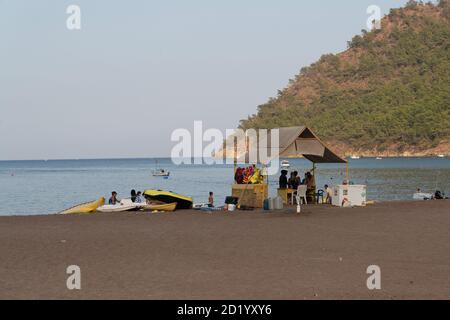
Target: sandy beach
[321, 254]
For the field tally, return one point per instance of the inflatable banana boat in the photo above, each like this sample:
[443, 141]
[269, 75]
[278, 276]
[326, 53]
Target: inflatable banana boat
[183, 202]
[88, 207]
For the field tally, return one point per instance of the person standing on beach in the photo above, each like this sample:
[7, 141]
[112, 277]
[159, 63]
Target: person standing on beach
[291, 181]
[283, 179]
[328, 194]
[113, 200]
[298, 180]
[211, 200]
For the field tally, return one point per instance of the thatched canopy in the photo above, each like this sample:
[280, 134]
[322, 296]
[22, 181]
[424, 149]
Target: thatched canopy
[294, 142]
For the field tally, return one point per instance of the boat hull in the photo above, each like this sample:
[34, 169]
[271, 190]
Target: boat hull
[167, 174]
[169, 207]
[117, 208]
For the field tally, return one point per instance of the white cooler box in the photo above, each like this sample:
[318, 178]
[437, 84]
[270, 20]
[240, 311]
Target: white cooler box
[356, 195]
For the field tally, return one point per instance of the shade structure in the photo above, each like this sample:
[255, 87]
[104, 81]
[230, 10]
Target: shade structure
[293, 142]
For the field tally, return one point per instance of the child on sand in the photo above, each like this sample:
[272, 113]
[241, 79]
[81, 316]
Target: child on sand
[211, 200]
[113, 200]
[328, 193]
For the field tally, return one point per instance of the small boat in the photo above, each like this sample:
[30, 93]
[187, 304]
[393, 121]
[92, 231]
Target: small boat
[441, 156]
[355, 157]
[167, 197]
[124, 206]
[285, 164]
[199, 206]
[158, 172]
[423, 196]
[88, 207]
[167, 207]
[379, 158]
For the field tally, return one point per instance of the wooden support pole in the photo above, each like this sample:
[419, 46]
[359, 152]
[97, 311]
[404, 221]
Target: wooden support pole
[347, 176]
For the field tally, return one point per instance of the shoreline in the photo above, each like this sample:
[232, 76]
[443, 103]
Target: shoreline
[345, 155]
[322, 253]
[259, 211]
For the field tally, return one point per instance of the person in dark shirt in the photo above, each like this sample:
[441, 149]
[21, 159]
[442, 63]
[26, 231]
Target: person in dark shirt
[291, 181]
[294, 181]
[283, 180]
[133, 195]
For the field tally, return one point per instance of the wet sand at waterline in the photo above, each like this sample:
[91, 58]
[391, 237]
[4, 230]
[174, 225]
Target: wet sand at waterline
[321, 254]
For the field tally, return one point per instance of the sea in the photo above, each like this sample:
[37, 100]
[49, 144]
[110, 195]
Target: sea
[48, 187]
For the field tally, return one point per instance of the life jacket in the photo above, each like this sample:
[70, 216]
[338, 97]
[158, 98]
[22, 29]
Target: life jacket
[248, 172]
[257, 178]
[239, 177]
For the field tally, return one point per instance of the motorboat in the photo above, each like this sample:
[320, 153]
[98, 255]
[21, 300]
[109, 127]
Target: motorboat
[285, 164]
[158, 172]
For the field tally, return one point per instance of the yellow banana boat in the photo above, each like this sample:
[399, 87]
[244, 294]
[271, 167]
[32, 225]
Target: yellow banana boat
[88, 207]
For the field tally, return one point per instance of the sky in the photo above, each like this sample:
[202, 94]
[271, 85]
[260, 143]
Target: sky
[137, 70]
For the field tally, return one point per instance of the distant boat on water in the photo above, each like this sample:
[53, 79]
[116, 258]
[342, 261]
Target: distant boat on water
[441, 156]
[160, 172]
[379, 158]
[355, 157]
[285, 164]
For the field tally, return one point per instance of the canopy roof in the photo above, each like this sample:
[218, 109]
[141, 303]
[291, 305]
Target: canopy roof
[294, 142]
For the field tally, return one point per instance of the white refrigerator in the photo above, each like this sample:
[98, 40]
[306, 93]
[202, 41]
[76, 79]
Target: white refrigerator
[349, 195]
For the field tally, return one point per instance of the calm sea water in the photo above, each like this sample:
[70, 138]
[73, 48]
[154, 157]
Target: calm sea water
[42, 187]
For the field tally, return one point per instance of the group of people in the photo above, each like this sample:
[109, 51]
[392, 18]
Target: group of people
[136, 197]
[295, 181]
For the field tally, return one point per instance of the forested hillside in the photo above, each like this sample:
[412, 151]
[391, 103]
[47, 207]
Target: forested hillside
[388, 94]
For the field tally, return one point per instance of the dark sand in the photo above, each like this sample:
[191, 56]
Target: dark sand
[321, 254]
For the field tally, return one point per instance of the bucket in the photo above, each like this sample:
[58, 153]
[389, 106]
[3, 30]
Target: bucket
[271, 204]
[231, 207]
[266, 204]
[278, 203]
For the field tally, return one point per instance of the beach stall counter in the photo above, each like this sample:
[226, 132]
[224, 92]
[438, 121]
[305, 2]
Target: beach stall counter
[252, 195]
[250, 187]
[294, 142]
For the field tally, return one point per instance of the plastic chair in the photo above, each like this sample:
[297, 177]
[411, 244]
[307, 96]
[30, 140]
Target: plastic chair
[301, 193]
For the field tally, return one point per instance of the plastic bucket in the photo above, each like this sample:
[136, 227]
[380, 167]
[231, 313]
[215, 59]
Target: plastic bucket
[278, 203]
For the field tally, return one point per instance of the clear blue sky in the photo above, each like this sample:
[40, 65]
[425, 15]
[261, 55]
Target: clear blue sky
[139, 69]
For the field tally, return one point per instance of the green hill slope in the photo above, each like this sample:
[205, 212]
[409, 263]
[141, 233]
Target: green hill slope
[389, 93]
